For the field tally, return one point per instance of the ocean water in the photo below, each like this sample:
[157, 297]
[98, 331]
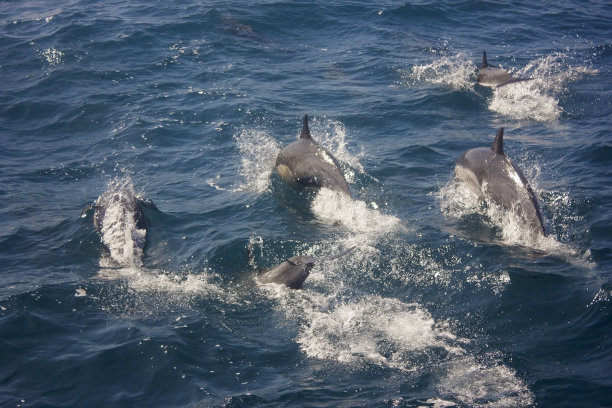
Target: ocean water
[445, 301]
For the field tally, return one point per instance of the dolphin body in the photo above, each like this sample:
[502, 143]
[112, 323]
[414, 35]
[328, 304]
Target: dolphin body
[121, 223]
[293, 271]
[305, 165]
[495, 77]
[489, 171]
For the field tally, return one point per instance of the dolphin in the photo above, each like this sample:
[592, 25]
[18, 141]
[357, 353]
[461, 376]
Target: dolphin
[305, 165]
[120, 221]
[488, 171]
[294, 271]
[495, 77]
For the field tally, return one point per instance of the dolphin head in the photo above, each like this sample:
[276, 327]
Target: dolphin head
[294, 271]
[291, 273]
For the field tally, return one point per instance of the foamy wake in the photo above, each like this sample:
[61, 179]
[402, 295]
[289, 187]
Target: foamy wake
[358, 331]
[156, 281]
[356, 216]
[526, 100]
[402, 336]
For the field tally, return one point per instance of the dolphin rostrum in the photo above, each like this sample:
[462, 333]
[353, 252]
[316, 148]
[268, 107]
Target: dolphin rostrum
[495, 77]
[305, 165]
[294, 271]
[488, 171]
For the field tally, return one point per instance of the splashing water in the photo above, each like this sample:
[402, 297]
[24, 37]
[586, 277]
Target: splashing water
[258, 151]
[331, 134]
[392, 334]
[456, 71]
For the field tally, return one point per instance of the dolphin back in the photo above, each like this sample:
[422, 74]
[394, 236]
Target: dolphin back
[122, 225]
[489, 172]
[291, 272]
[294, 271]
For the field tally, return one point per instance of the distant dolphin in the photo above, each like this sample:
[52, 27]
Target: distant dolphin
[294, 271]
[488, 171]
[495, 77]
[241, 30]
[120, 220]
[306, 165]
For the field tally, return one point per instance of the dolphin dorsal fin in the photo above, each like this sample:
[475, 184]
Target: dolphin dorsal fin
[305, 130]
[485, 64]
[498, 143]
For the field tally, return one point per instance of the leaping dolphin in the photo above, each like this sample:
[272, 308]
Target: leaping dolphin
[495, 77]
[305, 165]
[294, 271]
[488, 171]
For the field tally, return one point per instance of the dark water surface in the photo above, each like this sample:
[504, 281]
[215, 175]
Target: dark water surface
[445, 301]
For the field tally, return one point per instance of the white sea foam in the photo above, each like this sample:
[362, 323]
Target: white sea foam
[400, 336]
[526, 100]
[358, 331]
[355, 215]
[476, 384]
[141, 280]
[380, 331]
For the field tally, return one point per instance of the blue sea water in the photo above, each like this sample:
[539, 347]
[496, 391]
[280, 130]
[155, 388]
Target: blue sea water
[445, 301]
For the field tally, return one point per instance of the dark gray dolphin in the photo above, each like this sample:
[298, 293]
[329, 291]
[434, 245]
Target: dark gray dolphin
[306, 165]
[294, 271]
[239, 29]
[488, 171]
[495, 77]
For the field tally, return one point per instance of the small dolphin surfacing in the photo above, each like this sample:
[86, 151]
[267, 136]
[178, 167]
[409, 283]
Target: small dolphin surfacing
[488, 171]
[119, 219]
[293, 271]
[495, 77]
[305, 165]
